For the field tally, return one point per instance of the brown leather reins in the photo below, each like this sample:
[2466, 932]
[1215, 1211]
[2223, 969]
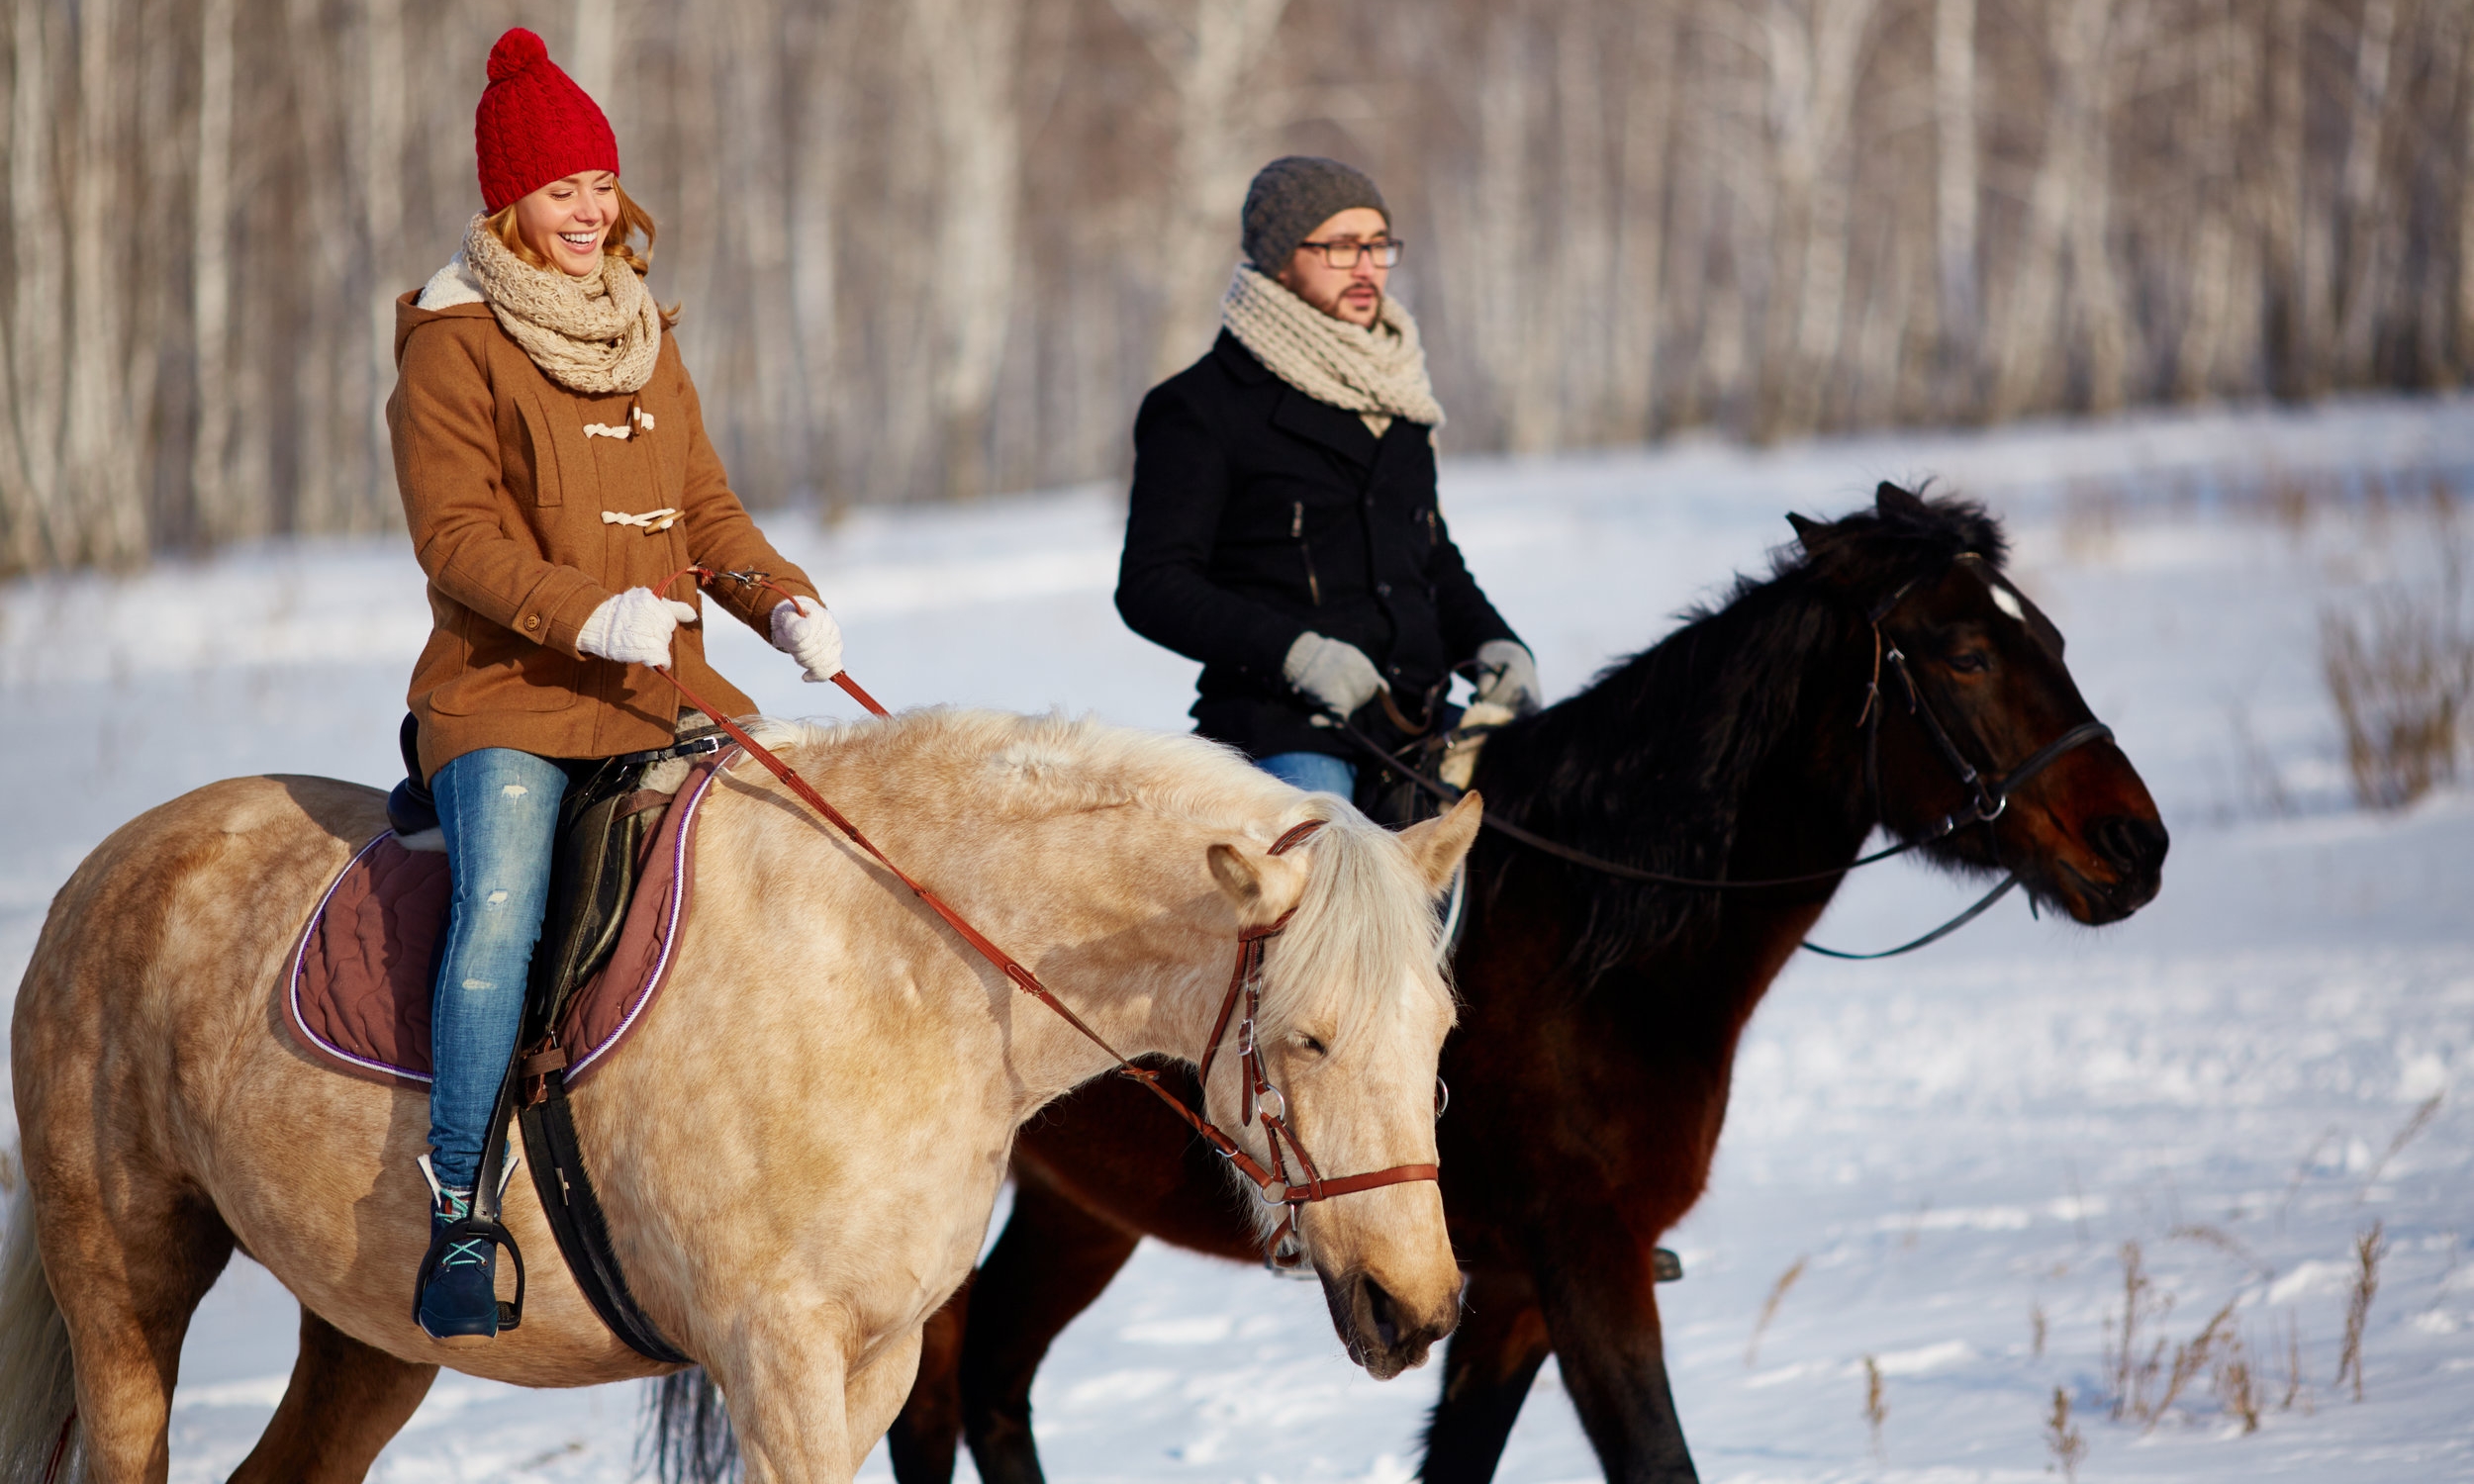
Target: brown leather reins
[1274, 1185]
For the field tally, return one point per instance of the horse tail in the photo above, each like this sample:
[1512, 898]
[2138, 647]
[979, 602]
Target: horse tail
[37, 1382]
[685, 1434]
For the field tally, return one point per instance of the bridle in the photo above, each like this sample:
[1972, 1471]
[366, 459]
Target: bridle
[1990, 792]
[1274, 1185]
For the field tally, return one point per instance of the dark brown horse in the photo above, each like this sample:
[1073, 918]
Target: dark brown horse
[1600, 1016]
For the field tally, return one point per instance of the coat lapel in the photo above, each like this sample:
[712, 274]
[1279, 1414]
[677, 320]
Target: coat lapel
[1343, 432]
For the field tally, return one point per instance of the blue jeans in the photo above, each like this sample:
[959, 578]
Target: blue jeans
[1314, 772]
[499, 811]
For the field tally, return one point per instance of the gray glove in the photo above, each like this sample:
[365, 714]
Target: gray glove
[1507, 675]
[1331, 671]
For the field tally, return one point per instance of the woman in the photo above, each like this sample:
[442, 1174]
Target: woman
[554, 465]
[1284, 528]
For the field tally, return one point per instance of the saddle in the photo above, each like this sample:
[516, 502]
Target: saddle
[620, 880]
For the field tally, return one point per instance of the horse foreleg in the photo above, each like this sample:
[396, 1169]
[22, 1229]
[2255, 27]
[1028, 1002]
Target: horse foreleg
[923, 1437]
[1487, 1368]
[128, 1261]
[1601, 1315]
[1053, 1261]
[345, 1401]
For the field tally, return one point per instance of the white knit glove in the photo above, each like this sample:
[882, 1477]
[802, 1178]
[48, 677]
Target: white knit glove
[1332, 671]
[635, 627]
[1507, 675]
[805, 631]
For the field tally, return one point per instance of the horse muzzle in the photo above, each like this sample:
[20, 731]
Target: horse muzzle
[2127, 854]
[1384, 1332]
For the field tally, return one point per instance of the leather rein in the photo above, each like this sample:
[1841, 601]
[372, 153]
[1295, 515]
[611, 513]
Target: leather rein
[1275, 1185]
[1991, 795]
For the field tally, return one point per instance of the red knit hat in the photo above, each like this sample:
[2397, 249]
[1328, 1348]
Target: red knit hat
[534, 125]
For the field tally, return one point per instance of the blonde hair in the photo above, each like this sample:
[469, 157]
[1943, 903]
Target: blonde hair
[634, 219]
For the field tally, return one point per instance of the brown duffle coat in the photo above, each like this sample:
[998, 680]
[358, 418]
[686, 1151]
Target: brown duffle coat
[505, 494]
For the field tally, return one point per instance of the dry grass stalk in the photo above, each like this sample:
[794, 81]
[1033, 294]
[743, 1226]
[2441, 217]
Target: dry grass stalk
[2190, 1361]
[2237, 1388]
[2131, 1374]
[2035, 1328]
[2224, 1242]
[2067, 1444]
[1769, 1309]
[2296, 1392]
[2400, 674]
[2421, 1120]
[2368, 1249]
[1876, 1405]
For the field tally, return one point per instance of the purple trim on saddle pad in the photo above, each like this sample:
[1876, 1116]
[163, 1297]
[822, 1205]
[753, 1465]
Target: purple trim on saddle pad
[359, 994]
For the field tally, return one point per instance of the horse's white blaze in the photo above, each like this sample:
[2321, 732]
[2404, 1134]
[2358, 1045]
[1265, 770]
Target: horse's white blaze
[2007, 602]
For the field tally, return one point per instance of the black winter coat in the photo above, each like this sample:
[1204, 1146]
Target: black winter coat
[1258, 514]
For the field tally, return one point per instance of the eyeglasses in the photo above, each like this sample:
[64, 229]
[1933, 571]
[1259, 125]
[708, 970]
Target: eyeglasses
[1341, 255]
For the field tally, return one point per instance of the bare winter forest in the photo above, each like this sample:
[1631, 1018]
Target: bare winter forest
[934, 247]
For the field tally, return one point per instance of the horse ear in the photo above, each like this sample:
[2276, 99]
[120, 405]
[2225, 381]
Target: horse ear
[1437, 845]
[1891, 499]
[1259, 889]
[1805, 529]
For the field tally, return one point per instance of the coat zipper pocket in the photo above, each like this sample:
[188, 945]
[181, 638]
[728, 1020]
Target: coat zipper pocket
[1305, 549]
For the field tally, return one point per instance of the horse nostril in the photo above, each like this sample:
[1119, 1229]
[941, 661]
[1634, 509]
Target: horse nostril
[1383, 1314]
[2132, 845]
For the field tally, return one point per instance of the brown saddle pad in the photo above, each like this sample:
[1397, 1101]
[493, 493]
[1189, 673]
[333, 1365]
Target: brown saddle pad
[361, 974]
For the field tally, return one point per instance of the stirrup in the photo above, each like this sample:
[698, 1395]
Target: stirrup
[443, 1238]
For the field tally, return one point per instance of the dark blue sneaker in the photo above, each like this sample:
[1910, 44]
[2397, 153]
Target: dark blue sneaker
[459, 1302]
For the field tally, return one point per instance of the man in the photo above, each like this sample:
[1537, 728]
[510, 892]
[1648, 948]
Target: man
[1284, 528]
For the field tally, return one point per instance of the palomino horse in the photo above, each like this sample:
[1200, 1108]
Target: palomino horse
[800, 1150]
[1600, 1016]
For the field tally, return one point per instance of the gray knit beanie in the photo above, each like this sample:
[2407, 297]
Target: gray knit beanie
[1293, 195]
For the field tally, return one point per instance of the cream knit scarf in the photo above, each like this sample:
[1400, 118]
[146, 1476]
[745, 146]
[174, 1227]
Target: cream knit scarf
[594, 336]
[1379, 373]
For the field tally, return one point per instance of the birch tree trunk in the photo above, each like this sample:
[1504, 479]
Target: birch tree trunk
[2223, 65]
[2465, 206]
[969, 53]
[1813, 56]
[217, 517]
[44, 536]
[382, 171]
[97, 473]
[1210, 51]
[1955, 195]
[2356, 290]
[1641, 173]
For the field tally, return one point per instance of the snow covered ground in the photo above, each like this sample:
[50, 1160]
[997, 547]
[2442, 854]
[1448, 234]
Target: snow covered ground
[1948, 1151]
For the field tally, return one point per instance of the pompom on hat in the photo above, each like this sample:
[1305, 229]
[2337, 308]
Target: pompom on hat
[534, 125]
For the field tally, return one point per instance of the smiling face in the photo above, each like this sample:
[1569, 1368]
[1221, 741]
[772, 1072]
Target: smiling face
[568, 221]
[1355, 293]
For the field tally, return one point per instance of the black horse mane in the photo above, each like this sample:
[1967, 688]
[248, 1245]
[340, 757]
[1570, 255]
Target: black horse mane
[1651, 764]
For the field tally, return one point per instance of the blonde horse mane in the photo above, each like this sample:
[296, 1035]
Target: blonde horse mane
[1363, 912]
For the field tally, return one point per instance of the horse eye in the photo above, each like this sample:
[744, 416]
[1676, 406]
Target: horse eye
[1312, 1043]
[1970, 662]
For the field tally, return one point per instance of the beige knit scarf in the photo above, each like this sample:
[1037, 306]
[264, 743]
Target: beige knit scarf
[1376, 372]
[597, 335]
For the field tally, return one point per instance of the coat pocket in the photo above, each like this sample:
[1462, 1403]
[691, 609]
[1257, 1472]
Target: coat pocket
[540, 448]
[1305, 552]
[507, 674]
